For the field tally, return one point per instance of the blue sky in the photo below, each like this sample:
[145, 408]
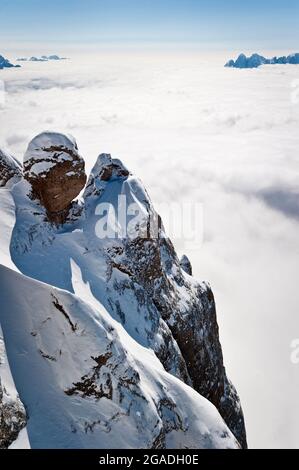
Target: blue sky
[231, 23]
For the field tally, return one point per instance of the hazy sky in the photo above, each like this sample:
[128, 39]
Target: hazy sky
[211, 23]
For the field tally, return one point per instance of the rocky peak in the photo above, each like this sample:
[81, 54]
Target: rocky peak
[186, 265]
[56, 172]
[150, 262]
[12, 411]
[138, 279]
[5, 63]
[105, 169]
[9, 168]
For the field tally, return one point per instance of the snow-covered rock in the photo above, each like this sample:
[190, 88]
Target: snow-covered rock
[256, 60]
[5, 63]
[292, 59]
[186, 265]
[91, 385]
[131, 341]
[103, 171]
[12, 412]
[10, 169]
[56, 172]
[55, 57]
[43, 58]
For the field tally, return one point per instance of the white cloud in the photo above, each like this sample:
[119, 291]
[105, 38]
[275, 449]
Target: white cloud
[193, 130]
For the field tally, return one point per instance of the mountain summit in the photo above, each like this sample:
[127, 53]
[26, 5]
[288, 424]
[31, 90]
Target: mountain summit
[111, 343]
[5, 63]
[256, 60]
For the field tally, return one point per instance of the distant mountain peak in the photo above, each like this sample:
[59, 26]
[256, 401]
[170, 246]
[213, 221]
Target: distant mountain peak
[43, 58]
[6, 64]
[256, 60]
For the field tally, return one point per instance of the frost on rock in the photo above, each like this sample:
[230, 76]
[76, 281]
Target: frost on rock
[132, 337]
[90, 383]
[186, 265]
[12, 412]
[103, 171]
[10, 169]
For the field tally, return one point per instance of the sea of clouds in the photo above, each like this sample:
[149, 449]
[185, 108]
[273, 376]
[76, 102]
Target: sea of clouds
[222, 138]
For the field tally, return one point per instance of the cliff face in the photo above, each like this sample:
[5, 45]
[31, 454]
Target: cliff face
[10, 169]
[12, 412]
[129, 274]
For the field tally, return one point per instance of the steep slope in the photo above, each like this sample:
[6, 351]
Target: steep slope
[10, 169]
[12, 412]
[89, 380]
[112, 252]
[4, 63]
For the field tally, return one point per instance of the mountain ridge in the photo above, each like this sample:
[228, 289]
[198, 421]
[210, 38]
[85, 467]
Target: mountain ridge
[137, 283]
[256, 60]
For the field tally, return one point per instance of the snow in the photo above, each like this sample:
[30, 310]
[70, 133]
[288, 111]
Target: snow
[46, 150]
[43, 58]
[192, 129]
[40, 339]
[57, 333]
[9, 159]
[7, 225]
[41, 167]
[6, 380]
[49, 139]
[22, 441]
[11, 166]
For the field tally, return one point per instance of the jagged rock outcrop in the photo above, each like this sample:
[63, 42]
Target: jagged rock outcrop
[43, 58]
[10, 169]
[186, 265]
[92, 386]
[6, 64]
[256, 60]
[56, 172]
[151, 262]
[12, 418]
[105, 169]
[12, 412]
[119, 259]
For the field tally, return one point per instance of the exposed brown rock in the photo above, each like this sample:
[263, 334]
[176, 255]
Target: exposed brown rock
[56, 172]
